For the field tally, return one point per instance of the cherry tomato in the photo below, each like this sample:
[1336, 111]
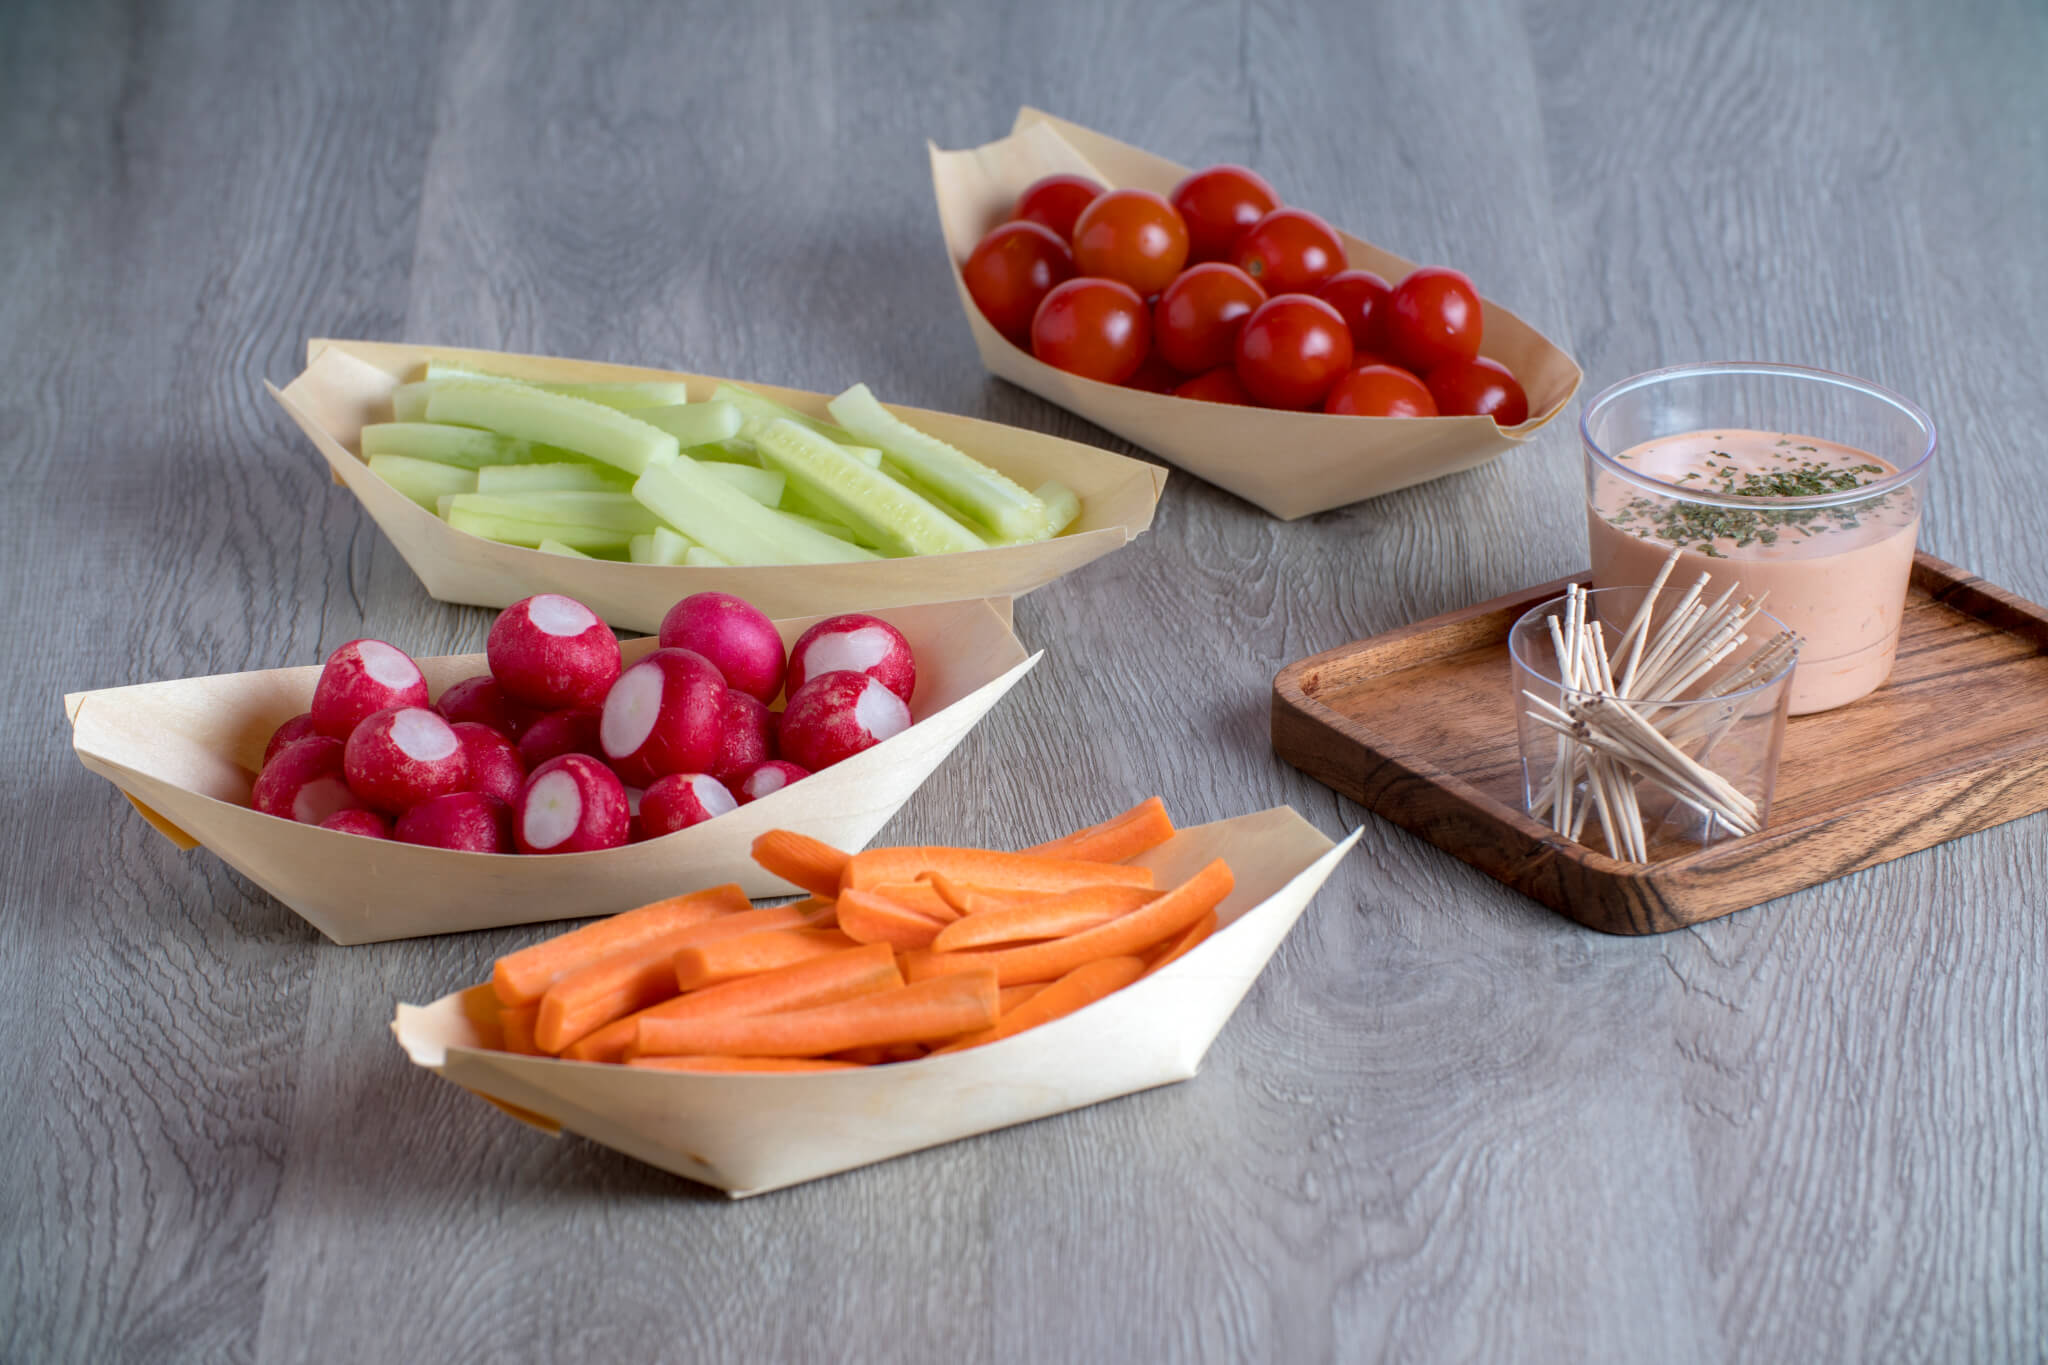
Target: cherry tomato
[1220, 205]
[1154, 375]
[1290, 251]
[1134, 237]
[1217, 386]
[1379, 391]
[1011, 271]
[1361, 297]
[1478, 388]
[1098, 329]
[1291, 350]
[1196, 323]
[1432, 319]
[1055, 202]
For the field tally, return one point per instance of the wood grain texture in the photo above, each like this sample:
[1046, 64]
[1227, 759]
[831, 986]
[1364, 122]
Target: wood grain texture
[1446, 1124]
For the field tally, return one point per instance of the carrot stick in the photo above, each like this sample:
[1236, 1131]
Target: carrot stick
[932, 1010]
[922, 897]
[984, 867]
[516, 1030]
[1055, 916]
[1083, 986]
[882, 1054]
[480, 1007]
[709, 964]
[1144, 826]
[870, 917]
[814, 865]
[1012, 996]
[973, 900]
[592, 996]
[740, 1064]
[842, 975]
[1175, 948]
[1122, 936]
[523, 977]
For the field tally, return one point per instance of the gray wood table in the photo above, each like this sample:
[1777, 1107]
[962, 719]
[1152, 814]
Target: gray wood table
[1446, 1124]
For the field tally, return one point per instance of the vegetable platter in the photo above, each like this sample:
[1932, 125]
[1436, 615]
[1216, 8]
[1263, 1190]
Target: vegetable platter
[1290, 463]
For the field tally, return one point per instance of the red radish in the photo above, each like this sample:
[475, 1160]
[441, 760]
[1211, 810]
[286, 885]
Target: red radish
[552, 651]
[738, 640]
[764, 779]
[297, 728]
[468, 822]
[482, 701]
[561, 732]
[494, 765]
[367, 823]
[360, 678]
[571, 804]
[836, 715]
[664, 715]
[856, 644]
[749, 735]
[681, 800]
[304, 782]
[401, 757]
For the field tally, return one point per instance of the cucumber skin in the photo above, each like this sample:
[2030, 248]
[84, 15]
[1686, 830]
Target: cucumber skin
[852, 491]
[588, 428]
[982, 494]
[424, 481]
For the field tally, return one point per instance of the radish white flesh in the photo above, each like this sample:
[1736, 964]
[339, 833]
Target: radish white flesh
[681, 800]
[855, 644]
[297, 728]
[551, 651]
[494, 765]
[749, 735]
[467, 822]
[739, 641]
[360, 678]
[398, 758]
[367, 823]
[765, 779]
[571, 804]
[664, 715]
[837, 715]
[304, 782]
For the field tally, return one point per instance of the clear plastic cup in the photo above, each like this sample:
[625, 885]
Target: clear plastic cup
[1736, 734]
[1798, 483]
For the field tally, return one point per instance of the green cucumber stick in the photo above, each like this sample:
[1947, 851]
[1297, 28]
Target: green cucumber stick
[552, 419]
[695, 424]
[718, 516]
[982, 494]
[423, 481]
[866, 499]
[513, 531]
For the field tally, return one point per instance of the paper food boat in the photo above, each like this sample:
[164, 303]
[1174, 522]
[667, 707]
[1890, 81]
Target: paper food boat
[186, 753]
[746, 1134]
[347, 385]
[1290, 463]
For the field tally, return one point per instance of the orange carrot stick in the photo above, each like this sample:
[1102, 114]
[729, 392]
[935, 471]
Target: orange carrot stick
[882, 1054]
[814, 865]
[523, 977]
[1012, 996]
[740, 1064]
[870, 917]
[1055, 916]
[973, 900]
[515, 1030]
[984, 867]
[1176, 948]
[709, 964]
[945, 1008]
[1144, 826]
[481, 1009]
[842, 975]
[1123, 936]
[922, 897]
[1084, 985]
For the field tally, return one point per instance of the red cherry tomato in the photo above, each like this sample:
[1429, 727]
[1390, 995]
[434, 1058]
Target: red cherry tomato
[1154, 375]
[1291, 350]
[1478, 388]
[1196, 323]
[1290, 251]
[1361, 297]
[1432, 319]
[1379, 391]
[1098, 329]
[1011, 271]
[1055, 202]
[1220, 205]
[1217, 386]
[1134, 237]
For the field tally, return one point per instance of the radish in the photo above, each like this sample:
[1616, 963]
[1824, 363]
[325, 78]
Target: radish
[552, 651]
[764, 779]
[360, 678]
[494, 765]
[468, 822]
[664, 715]
[403, 756]
[836, 715]
[297, 728]
[304, 782]
[738, 640]
[367, 823]
[749, 735]
[855, 644]
[480, 700]
[571, 804]
[561, 732]
[681, 800]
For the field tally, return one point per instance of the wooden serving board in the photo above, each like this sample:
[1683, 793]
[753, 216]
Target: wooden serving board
[1418, 726]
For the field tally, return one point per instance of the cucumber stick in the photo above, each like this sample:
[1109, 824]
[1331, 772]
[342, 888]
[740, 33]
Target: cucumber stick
[695, 424]
[423, 481]
[726, 521]
[995, 500]
[1062, 506]
[669, 546]
[550, 478]
[512, 531]
[625, 395]
[866, 499]
[762, 485]
[464, 446]
[697, 557]
[757, 410]
[556, 547]
[640, 549]
[552, 419]
[614, 511]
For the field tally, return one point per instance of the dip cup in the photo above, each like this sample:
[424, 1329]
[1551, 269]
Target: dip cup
[1737, 736]
[1834, 564]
